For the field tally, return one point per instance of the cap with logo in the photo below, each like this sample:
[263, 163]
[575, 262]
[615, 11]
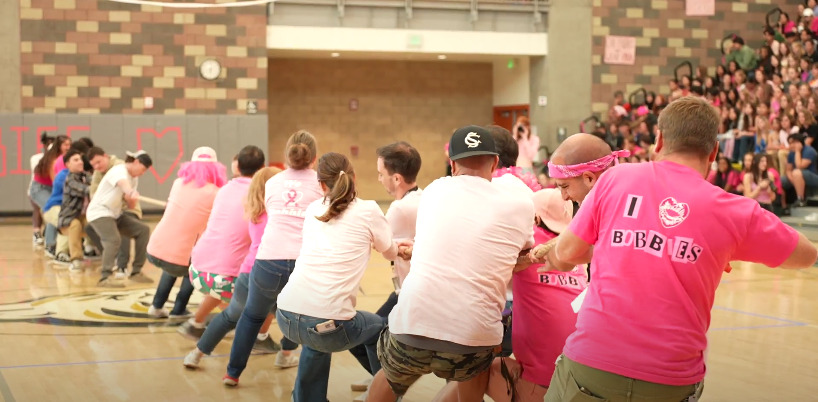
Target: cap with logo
[471, 141]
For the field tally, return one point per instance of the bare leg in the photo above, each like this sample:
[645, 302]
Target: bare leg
[799, 183]
[207, 306]
[266, 326]
[474, 389]
[379, 390]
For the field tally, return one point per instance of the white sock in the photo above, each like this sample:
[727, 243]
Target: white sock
[263, 336]
[195, 324]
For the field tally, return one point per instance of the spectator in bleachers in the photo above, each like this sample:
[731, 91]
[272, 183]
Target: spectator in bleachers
[758, 184]
[785, 26]
[725, 176]
[808, 127]
[802, 173]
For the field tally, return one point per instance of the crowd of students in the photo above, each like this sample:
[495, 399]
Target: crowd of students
[767, 101]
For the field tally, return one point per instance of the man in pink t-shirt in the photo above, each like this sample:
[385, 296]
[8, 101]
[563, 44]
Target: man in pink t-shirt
[659, 249]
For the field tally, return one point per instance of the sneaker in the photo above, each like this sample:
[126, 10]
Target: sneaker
[92, 254]
[120, 274]
[37, 239]
[186, 314]
[192, 359]
[362, 397]
[63, 258]
[800, 203]
[158, 312]
[140, 278]
[362, 385]
[286, 361]
[189, 331]
[76, 266]
[230, 381]
[49, 251]
[268, 345]
[110, 282]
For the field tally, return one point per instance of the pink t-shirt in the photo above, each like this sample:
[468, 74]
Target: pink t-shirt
[59, 165]
[183, 222]
[662, 236]
[543, 317]
[528, 148]
[225, 242]
[287, 196]
[256, 231]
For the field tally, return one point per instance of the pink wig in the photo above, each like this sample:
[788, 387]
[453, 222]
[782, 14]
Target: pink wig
[203, 173]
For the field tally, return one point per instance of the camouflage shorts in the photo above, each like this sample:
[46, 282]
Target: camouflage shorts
[403, 364]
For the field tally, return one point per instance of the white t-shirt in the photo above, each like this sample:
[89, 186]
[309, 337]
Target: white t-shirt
[35, 159]
[513, 184]
[333, 258]
[402, 216]
[468, 236]
[107, 202]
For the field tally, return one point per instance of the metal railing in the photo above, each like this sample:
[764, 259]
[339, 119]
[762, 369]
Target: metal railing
[536, 7]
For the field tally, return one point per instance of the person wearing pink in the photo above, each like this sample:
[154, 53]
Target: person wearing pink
[219, 252]
[256, 214]
[659, 250]
[286, 198]
[185, 218]
[527, 142]
[759, 183]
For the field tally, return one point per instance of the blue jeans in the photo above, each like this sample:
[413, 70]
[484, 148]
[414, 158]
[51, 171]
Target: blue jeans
[359, 351]
[266, 280]
[165, 285]
[316, 355]
[229, 317]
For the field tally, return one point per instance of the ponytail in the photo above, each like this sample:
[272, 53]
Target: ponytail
[336, 172]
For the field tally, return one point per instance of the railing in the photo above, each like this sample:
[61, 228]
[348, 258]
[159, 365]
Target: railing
[536, 7]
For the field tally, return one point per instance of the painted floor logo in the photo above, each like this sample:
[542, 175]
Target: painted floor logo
[125, 308]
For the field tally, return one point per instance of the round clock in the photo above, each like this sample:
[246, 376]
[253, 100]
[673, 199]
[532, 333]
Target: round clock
[210, 69]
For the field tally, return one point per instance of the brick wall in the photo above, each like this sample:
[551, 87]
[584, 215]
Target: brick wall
[89, 57]
[419, 102]
[666, 37]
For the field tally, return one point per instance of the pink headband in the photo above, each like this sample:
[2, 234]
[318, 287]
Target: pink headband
[598, 165]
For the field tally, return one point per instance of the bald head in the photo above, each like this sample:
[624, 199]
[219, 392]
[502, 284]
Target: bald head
[580, 148]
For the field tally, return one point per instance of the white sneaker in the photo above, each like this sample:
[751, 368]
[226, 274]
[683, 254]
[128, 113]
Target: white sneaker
[286, 361]
[158, 312]
[120, 274]
[362, 397]
[76, 266]
[362, 385]
[192, 359]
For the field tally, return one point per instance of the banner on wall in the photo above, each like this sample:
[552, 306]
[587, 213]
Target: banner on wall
[620, 50]
[700, 7]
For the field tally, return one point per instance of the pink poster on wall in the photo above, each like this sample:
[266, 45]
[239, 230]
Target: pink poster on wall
[620, 50]
[700, 7]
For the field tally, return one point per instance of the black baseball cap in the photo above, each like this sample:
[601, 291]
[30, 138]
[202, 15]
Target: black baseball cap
[471, 141]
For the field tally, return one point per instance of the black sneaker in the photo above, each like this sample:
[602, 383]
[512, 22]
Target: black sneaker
[38, 239]
[62, 258]
[189, 331]
[800, 203]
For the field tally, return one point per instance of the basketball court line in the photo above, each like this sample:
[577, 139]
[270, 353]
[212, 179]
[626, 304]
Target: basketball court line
[769, 317]
[153, 359]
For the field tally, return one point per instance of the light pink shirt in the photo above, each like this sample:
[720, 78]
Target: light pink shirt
[402, 216]
[226, 241]
[333, 259]
[183, 222]
[528, 148]
[662, 237]
[543, 317]
[287, 196]
[256, 231]
[469, 233]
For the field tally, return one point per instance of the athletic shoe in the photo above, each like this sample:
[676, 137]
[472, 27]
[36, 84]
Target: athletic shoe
[76, 266]
[50, 251]
[120, 274]
[110, 282]
[140, 278]
[192, 359]
[63, 258]
[158, 312]
[230, 381]
[186, 314]
[189, 331]
[37, 239]
[286, 361]
[268, 345]
[362, 385]
[91, 254]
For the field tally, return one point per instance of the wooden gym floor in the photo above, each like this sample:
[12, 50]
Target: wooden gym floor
[63, 339]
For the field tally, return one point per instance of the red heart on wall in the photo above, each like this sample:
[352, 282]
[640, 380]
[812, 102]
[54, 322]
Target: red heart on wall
[180, 147]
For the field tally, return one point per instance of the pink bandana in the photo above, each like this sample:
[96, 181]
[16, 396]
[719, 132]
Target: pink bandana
[598, 165]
